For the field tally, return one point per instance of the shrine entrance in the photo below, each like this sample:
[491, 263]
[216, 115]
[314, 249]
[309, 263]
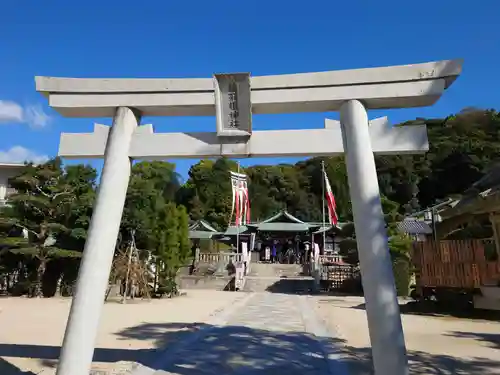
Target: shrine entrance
[233, 98]
[291, 237]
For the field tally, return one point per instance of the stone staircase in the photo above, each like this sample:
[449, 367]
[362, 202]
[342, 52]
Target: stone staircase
[212, 278]
[278, 278]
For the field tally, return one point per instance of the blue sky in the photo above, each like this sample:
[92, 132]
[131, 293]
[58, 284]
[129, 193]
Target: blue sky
[197, 38]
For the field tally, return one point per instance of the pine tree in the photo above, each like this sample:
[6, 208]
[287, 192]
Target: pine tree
[52, 209]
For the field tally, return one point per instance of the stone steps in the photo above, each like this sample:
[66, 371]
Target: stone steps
[287, 285]
[276, 270]
[278, 278]
[204, 282]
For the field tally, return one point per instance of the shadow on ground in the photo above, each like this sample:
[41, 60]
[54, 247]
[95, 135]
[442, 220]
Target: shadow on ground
[305, 285]
[490, 339]
[422, 363]
[8, 369]
[237, 349]
[431, 308]
[291, 286]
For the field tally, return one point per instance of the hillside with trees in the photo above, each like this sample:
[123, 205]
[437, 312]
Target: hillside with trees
[44, 229]
[462, 148]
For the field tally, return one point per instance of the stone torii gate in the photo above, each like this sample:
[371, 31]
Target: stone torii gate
[233, 98]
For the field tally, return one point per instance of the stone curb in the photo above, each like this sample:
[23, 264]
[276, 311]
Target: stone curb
[313, 324]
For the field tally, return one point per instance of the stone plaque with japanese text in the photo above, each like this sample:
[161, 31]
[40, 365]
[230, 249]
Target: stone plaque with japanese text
[233, 104]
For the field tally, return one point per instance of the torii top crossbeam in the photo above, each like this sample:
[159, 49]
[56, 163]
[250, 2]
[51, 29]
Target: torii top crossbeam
[401, 86]
[387, 87]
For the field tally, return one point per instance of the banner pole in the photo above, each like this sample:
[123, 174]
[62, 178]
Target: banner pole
[323, 205]
[238, 217]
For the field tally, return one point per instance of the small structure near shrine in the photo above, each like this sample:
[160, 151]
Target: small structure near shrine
[466, 265]
[202, 230]
[416, 229]
[7, 171]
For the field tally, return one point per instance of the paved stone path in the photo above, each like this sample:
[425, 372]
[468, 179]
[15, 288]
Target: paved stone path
[267, 334]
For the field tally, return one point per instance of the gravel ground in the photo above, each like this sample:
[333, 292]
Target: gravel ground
[32, 330]
[439, 344]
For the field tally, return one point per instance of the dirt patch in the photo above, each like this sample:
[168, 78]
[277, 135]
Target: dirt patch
[439, 344]
[32, 329]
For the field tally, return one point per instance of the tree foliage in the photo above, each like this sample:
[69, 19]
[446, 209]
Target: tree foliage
[172, 245]
[207, 193]
[51, 209]
[462, 147]
[53, 204]
[152, 185]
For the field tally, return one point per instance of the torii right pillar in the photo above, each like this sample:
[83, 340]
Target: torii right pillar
[382, 308]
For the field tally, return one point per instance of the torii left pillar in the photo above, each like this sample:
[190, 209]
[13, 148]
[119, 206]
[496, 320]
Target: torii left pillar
[93, 277]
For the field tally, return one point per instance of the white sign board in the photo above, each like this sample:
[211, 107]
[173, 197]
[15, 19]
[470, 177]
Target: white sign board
[244, 250]
[233, 104]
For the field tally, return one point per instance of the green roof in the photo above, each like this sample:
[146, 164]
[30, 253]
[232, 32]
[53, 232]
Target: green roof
[281, 227]
[202, 234]
[202, 225]
[284, 221]
[233, 230]
[288, 217]
[328, 228]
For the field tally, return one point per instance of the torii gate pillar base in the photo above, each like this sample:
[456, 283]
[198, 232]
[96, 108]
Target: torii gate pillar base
[384, 320]
[93, 276]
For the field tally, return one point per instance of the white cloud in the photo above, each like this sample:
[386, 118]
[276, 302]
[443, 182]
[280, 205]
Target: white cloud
[34, 115]
[10, 112]
[20, 154]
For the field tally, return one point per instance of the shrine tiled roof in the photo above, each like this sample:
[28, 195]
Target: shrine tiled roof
[414, 226]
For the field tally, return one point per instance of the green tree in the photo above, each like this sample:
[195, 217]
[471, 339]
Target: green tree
[166, 233]
[52, 208]
[183, 234]
[152, 185]
[207, 194]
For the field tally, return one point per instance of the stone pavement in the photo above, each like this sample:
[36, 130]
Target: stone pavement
[265, 334]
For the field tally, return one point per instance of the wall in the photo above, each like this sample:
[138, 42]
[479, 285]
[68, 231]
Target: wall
[6, 172]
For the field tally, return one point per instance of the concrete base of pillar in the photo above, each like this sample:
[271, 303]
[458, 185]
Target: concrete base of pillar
[489, 300]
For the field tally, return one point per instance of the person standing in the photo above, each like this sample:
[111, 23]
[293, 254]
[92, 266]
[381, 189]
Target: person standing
[273, 253]
[307, 254]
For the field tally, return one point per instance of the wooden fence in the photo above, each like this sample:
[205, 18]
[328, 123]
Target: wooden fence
[464, 264]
